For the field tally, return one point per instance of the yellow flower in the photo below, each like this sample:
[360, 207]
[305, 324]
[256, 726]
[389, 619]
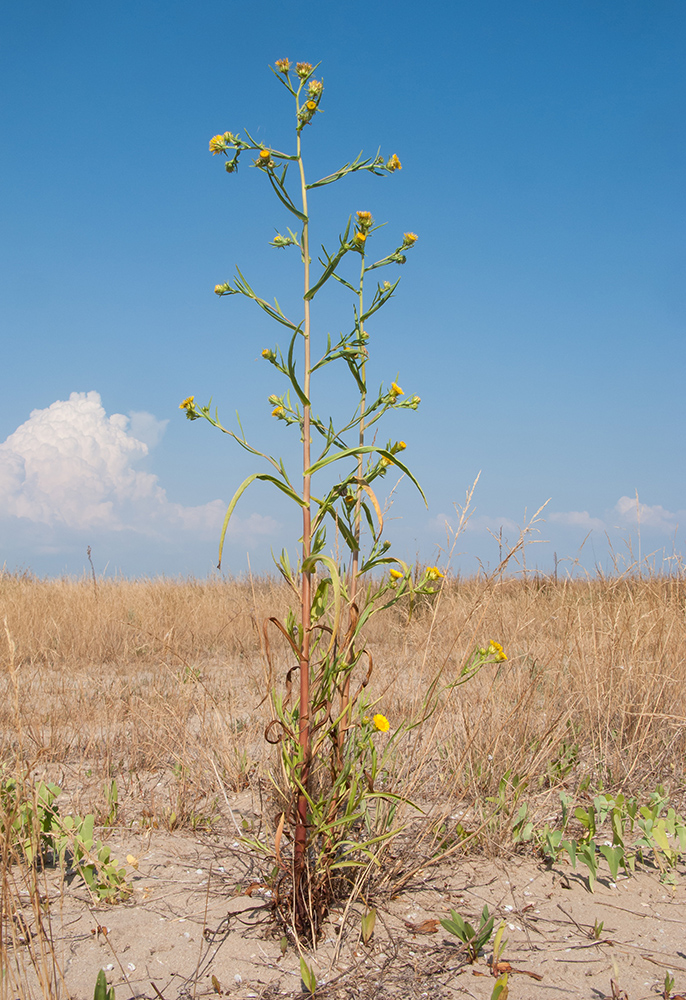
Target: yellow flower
[311, 105]
[396, 574]
[396, 390]
[266, 353]
[394, 164]
[364, 220]
[315, 88]
[360, 238]
[434, 573]
[496, 650]
[283, 65]
[409, 239]
[400, 446]
[303, 70]
[188, 404]
[383, 461]
[265, 155]
[278, 411]
[217, 144]
[381, 723]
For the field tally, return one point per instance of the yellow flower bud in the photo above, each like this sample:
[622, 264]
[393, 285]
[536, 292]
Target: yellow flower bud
[394, 164]
[283, 65]
[188, 403]
[396, 390]
[360, 239]
[278, 411]
[409, 239]
[303, 70]
[396, 574]
[434, 573]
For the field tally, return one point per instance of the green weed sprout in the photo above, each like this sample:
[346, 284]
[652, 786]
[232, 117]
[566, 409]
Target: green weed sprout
[336, 812]
[102, 991]
[474, 940]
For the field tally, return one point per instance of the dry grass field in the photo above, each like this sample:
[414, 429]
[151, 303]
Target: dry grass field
[159, 685]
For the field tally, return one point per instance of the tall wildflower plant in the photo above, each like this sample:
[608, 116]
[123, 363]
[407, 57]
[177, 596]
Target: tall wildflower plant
[336, 812]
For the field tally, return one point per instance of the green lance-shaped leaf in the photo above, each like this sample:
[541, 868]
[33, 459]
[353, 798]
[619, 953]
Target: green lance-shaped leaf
[365, 450]
[265, 477]
[242, 286]
[284, 197]
[102, 992]
[349, 168]
[291, 372]
[500, 990]
[308, 977]
[331, 264]
[309, 566]
[368, 921]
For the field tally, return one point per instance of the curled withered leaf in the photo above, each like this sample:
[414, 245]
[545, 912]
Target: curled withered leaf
[274, 724]
[429, 926]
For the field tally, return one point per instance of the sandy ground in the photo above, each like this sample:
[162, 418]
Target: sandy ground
[192, 930]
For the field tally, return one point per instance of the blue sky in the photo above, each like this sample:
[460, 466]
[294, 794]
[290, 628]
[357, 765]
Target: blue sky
[540, 316]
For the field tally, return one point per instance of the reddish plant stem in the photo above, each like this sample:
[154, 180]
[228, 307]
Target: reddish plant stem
[300, 847]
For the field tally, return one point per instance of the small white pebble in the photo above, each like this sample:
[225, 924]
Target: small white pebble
[527, 893]
[511, 926]
[108, 968]
[186, 934]
[238, 979]
[198, 871]
[131, 967]
[508, 908]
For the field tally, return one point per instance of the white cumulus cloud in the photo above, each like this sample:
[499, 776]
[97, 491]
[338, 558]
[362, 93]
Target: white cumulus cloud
[577, 519]
[72, 467]
[632, 511]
